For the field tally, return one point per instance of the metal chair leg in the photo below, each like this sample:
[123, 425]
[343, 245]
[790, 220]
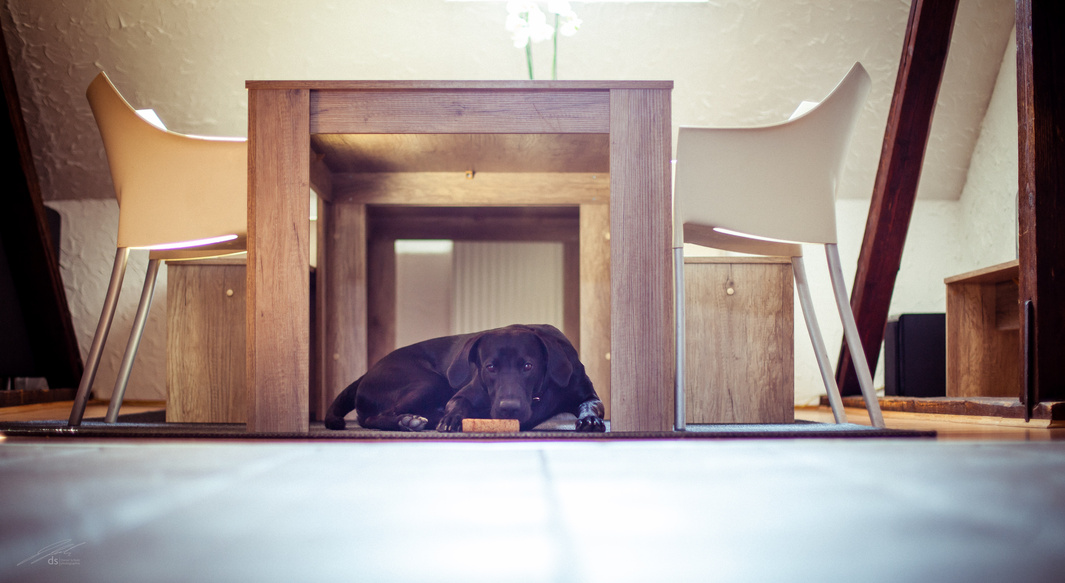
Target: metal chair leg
[81, 399]
[802, 285]
[850, 332]
[679, 423]
[135, 335]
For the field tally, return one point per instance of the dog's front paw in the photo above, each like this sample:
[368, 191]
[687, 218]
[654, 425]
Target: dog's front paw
[451, 423]
[591, 423]
[412, 422]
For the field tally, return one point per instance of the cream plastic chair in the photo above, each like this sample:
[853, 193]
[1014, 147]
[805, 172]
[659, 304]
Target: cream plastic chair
[179, 196]
[765, 190]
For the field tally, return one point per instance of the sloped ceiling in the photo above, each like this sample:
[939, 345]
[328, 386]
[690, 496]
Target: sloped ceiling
[734, 62]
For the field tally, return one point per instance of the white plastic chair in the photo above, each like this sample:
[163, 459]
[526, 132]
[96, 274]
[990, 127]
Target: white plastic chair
[179, 196]
[765, 190]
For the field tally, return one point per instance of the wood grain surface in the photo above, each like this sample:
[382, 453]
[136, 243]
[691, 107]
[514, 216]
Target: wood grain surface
[740, 340]
[278, 261]
[641, 317]
[458, 111]
[342, 284]
[983, 341]
[205, 342]
[484, 189]
[595, 297]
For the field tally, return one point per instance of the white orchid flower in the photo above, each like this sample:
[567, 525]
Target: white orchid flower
[526, 22]
[515, 21]
[518, 27]
[569, 24]
[539, 29]
[520, 37]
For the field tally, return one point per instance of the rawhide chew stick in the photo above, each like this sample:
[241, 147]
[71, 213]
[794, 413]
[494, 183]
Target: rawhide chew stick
[489, 425]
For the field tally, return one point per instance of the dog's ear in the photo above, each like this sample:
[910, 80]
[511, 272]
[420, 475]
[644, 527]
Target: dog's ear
[460, 370]
[559, 361]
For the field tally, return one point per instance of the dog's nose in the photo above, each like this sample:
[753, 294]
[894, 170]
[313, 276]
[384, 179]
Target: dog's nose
[509, 407]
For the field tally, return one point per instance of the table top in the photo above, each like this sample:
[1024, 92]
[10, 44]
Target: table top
[368, 85]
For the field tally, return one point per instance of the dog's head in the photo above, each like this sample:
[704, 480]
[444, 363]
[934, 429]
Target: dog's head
[513, 365]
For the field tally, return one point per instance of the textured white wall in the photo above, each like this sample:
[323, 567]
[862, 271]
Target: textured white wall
[988, 206]
[945, 237]
[87, 252]
[734, 62]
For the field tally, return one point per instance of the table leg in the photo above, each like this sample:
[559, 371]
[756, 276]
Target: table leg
[642, 356]
[278, 335]
[344, 310]
[595, 297]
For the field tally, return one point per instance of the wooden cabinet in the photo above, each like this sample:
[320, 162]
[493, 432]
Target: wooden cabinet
[983, 333]
[205, 317]
[740, 338]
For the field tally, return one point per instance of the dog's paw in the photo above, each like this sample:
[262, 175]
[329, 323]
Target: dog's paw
[412, 422]
[450, 423]
[591, 423]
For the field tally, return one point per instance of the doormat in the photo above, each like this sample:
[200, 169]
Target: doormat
[151, 425]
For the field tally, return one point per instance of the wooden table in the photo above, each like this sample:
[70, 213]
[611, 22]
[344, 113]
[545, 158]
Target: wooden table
[282, 116]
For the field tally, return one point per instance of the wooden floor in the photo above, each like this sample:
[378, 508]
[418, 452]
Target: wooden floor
[980, 503]
[947, 427]
[61, 410]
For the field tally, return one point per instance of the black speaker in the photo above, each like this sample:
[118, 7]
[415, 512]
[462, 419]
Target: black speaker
[915, 356]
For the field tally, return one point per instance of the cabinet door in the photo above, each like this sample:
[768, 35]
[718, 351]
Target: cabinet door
[740, 340]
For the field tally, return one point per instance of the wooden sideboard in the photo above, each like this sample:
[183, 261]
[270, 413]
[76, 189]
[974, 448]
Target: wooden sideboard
[740, 340]
[205, 315]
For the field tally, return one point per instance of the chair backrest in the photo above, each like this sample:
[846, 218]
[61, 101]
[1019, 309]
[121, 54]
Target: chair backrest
[171, 188]
[777, 181]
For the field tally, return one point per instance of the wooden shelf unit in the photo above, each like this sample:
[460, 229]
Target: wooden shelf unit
[983, 333]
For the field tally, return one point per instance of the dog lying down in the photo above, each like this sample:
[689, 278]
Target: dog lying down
[528, 373]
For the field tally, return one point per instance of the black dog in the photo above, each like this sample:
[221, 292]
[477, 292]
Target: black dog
[528, 373]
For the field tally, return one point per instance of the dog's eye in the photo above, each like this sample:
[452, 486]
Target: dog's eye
[490, 367]
[527, 366]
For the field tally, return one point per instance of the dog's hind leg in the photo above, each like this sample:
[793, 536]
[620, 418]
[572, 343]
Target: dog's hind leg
[418, 409]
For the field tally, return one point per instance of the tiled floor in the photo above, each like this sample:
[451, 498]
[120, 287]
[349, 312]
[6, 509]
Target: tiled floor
[939, 510]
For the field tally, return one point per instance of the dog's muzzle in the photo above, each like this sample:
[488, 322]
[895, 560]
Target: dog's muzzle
[512, 409]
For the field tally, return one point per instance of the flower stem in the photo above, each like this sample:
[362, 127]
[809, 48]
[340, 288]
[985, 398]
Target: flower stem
[528, 59]
[554, 59]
